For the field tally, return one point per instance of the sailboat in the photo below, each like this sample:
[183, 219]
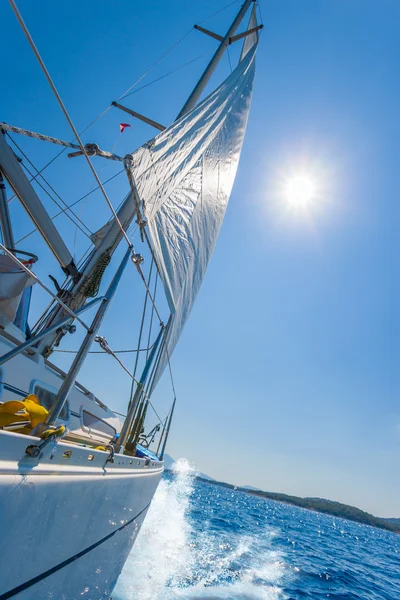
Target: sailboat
[76, 477]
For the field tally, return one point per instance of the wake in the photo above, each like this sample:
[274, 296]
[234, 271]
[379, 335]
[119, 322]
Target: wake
[176, 557]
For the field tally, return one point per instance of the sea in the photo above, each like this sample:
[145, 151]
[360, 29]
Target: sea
[205, 542]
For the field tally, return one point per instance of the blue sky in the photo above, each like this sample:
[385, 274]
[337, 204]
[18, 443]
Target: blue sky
[287, 370]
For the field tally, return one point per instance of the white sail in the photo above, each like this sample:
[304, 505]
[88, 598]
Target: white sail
[184, 178]
[251, 39]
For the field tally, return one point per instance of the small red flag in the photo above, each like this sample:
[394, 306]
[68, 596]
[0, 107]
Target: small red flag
[123, 126]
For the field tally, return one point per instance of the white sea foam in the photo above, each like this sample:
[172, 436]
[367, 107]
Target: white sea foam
[171, 561]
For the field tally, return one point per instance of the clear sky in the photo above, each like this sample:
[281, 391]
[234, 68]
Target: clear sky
[287, 372]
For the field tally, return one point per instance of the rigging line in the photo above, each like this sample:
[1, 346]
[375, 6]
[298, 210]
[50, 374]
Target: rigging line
[63, 150]
[164, 345]
[150, 380]
[143, 318]
[85, 257]
[163, 429]
[259, 10]
[71, 205]
[132, 229]
[131, 394]
[170, 368]
[50, 186]
[148, 291]
[146, 237]
[109, 107]
[56, 298]
[102, 351]
[169, 73]
[56, 203]
[134, 380]
[120, 414]
[125, 94]
[92, 188]
[152, 314]
[229, 58]
[220, 11]
[169, 358]
[68, 118]
[119, 361]
[41, 171]
[41, 319]
[152, 406]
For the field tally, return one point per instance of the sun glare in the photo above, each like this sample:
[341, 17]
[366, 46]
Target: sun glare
[299, 190]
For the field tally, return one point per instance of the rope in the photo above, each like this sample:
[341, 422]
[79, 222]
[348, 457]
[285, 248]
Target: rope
[63, 150]
[91, 288]
[38, 136]
[91, 149]
[63, 108]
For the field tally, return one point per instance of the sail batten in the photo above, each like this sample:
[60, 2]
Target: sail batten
[184, 178]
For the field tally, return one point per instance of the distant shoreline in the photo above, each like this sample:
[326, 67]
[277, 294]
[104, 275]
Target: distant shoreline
[329, 507]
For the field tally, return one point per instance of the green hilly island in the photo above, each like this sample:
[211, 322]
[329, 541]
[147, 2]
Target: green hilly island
[330, 507]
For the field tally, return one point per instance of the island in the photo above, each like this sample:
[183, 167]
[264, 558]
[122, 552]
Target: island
[329, 507]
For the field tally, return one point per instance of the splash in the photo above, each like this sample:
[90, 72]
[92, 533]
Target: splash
[161, 552]
[179, 556]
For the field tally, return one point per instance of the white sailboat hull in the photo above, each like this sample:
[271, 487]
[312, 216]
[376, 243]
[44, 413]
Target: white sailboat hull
[68, 521]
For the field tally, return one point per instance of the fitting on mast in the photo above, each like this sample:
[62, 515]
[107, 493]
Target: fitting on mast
[225, 41]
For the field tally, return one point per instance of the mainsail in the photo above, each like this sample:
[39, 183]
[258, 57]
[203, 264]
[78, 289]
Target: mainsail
[184, 177]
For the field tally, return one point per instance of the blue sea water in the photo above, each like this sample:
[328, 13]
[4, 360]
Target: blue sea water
[201, 541]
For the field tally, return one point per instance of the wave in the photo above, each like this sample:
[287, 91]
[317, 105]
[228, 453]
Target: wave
[181, 553]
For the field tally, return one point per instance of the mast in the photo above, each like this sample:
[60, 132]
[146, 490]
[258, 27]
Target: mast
[110, 235]
[201, 84]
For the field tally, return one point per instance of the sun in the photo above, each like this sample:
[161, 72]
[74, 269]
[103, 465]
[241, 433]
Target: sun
[299, 190]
